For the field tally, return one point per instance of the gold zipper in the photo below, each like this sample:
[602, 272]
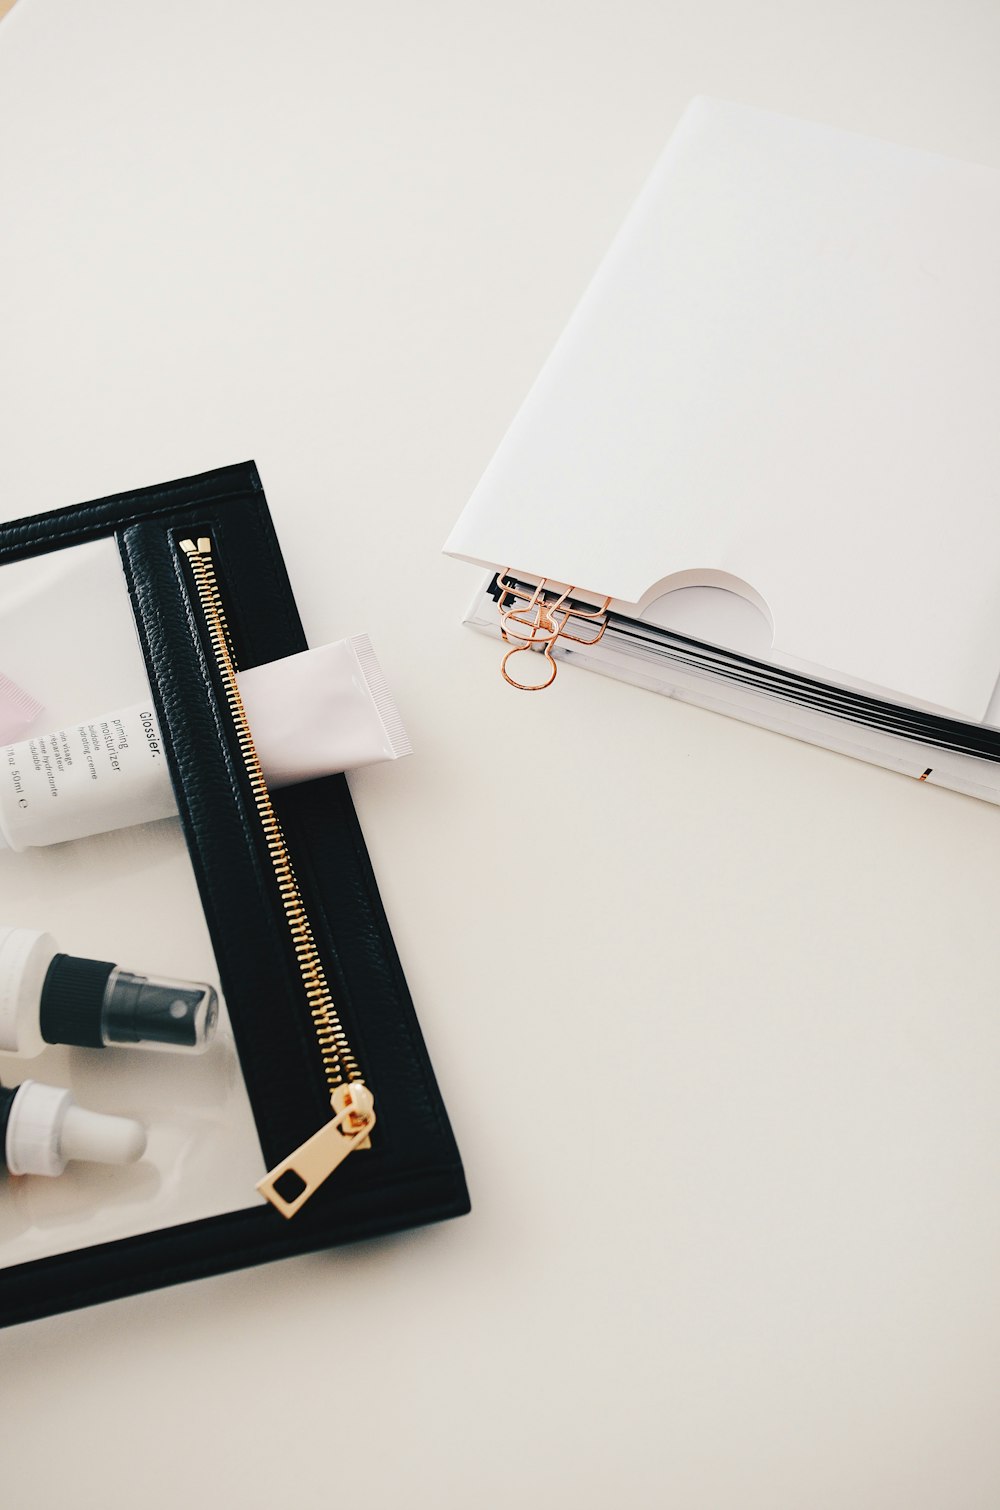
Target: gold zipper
[350, 1099]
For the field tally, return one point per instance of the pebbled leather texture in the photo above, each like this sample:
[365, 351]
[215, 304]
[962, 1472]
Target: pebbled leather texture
[413, 1172]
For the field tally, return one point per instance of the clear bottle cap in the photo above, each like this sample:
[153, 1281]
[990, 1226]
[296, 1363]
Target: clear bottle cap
[93, 1003]
[157, 1012]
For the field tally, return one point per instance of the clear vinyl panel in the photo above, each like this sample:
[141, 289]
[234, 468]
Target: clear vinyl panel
[123, 1108]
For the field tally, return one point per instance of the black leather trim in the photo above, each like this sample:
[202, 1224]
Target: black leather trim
[413, 1173]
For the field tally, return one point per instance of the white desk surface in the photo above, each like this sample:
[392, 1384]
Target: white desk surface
[715, 1014]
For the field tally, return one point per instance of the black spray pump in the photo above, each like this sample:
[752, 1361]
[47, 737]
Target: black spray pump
[48, 997]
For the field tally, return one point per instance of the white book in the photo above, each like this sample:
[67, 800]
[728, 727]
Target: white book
[771, 426]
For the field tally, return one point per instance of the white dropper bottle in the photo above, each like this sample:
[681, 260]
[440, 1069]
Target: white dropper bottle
[42, 1128]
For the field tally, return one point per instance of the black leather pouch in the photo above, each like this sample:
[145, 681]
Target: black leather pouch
[412, 1173]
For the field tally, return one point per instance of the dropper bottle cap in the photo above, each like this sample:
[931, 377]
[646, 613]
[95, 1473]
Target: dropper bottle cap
[42, 1128]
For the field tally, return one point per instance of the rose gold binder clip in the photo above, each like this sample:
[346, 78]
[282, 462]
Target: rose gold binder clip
[536, 618]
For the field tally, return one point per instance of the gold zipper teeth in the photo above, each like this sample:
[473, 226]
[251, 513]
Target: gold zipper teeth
[339, 1062]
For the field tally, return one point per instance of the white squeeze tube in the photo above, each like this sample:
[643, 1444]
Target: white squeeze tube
[311, 714]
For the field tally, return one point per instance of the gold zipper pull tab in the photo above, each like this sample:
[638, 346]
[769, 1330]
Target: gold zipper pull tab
[320, 1155]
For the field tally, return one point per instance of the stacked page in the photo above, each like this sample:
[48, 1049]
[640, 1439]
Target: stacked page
[768, 436]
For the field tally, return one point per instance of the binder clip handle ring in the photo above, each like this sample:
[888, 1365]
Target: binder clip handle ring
[529, 686]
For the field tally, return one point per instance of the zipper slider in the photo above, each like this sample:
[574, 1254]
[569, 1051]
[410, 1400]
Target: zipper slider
[316, 1159]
